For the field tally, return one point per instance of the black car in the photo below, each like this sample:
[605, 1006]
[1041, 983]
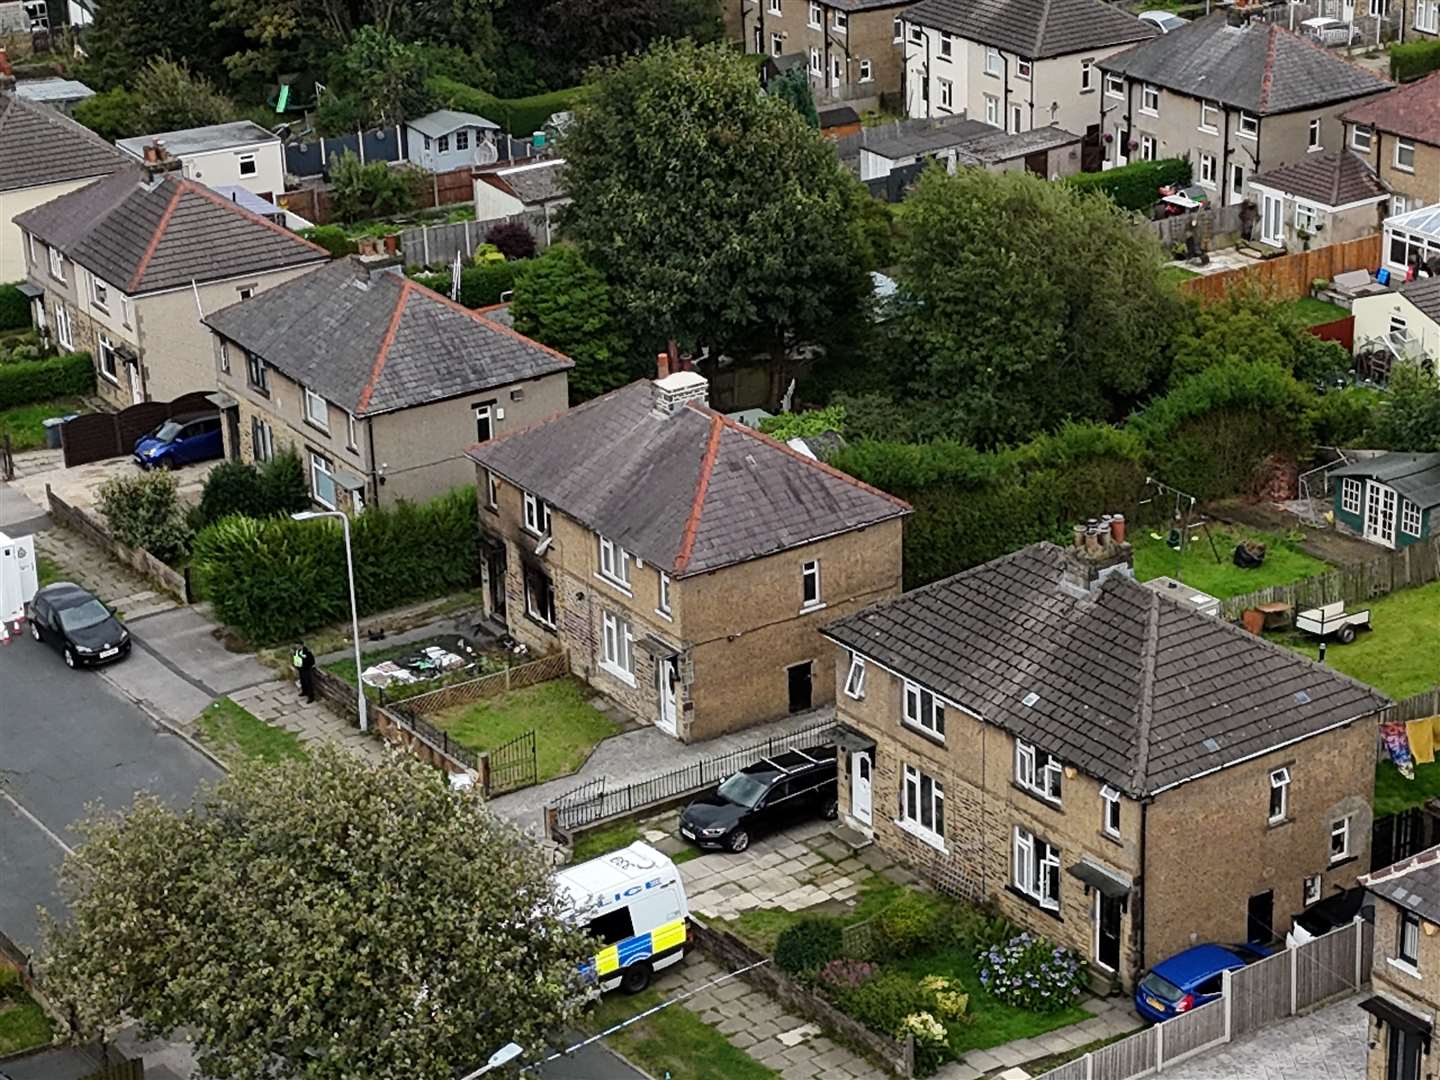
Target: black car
[770, 794]
[84, 630]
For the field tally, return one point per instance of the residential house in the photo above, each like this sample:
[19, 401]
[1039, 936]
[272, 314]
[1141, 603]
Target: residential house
[43, 154]
[1399, 135]
[1091, 754]
[1012, 64]
[537, 188]
[1405, 320]
[850, 49]
[1405, 976]
[378, 383]
[1325, 198]
[1419, 20]
[62, 94]
[1392, 500]
[241, 152]
[684, 561]
[445, 140]
[1237, 98]
[1412, 239]
[125, 268]
[1049, 152]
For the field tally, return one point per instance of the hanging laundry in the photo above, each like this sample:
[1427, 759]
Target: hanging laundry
[1422, 740]
[1397, 745]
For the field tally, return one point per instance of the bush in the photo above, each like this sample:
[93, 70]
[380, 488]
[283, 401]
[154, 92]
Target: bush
[480, 286]
[372, 190]
[519, 116]
[1032, 973]
[1135, 186]
[846, 974]
[909, 924]
[1346, 417]
[1414, 60]
[805, 424]
[71, 375]
[806, 947]
[332, 238]
[14, 308]
[950, 1003]
[143, 511]
[883, 1002]
[236, 487]
[932, 1041]
[979, 928]
[275, 579]
[513, 240]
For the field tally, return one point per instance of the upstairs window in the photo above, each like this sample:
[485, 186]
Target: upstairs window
[257, 373]
[947, 46]
[316, 410]
[1279, 795]
[1110, 812]
[537, 516]
[1114, 85]
[855, 677]
[57, 264]
[1360, 138]
[1313, 138]
[1404, 156]
[817, 17]
[1249, 125]
[614, 563]
[1038, 771]
[810, 584]
[924, 711]
[663, 603]
[100, 293]
[841, 22]
[492, 491]
[992, 61]
[1150, 99]
[1339, 839]
[1022, 69]
[1407, 949]
[1087, 76]
[1209, 116]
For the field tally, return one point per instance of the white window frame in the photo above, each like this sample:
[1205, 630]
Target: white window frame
[1149, 148]
[993, 65]
[1279, 781]
[262, 439]
[248, 159]
[1408, 146]
[64, 332]
[841, 22]
[1087, 75]
[777, 45]
[817, 62]
[1017, 118]
[1248, 126]
[1377, 9]
[1149, 99]
[1035, 874]
[317, 410]
[947, 93]
[1310, 890]
[485, 414]
[320, 466]
[817, 16]
[1307, 216]
[810, 572]
[947, 46]
[912, 788]
[897, 31]
[105, 351]
[1207, 170]
[224, 357]
[1110, 812]
[992, 110]
[537, 516]
[1039, 772]
[1352, 496]
[1407, 947]
[492, 491]
[462, 139]
[867, 71]
[1362, 138]
[775, 8]
[352, 438]
[99, 294]
[855, 677]
[57, 264]
[616, 654]
[1431, 25]
[1410, 518]
[1312, 135]
[1114, 85]
[922, 710]
[1340, 827]
[663, 595]
[614, 564]
[532, 608]
[1209, 110]
[1023, 69]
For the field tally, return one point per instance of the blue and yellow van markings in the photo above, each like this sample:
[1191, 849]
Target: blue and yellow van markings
[622, 954]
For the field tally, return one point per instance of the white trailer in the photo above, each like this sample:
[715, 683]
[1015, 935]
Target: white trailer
[19, 576]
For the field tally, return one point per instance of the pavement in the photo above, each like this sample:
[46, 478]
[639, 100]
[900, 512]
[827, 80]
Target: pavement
[1327, 1044]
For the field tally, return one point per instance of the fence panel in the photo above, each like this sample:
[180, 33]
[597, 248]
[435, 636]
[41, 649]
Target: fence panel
[1290, 276]
[546, 668]
[1191, 1032]
[1260, 994]
[512, 766]
[1071, 1070]
[437, 245]
[1325, 967]
[1121, 1060]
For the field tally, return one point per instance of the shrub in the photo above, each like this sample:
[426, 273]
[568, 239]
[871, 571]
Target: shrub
[332, 238]
[283, 488]
[909, 924]
[519, 116]
[932, 1045]
[513, 239]
[978, 927]
[372, 190]
[143, 511]
[236, 487]
[1346, 417]
[480, 286]
[14, 308]
[806, 947]
[71, 375]
[1135, 186]
[805, 424]
[1032, 973]
[1414, 60]
[950, 1003]
[845, 974]
[883, 1002]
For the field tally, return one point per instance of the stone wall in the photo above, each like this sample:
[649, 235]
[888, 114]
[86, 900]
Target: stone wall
[152, 569]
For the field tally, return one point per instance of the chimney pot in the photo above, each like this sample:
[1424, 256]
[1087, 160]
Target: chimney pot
[673, 391]
[662, 365]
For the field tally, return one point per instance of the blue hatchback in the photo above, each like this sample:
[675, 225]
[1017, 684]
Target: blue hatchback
[1190, 979]
[181, 440]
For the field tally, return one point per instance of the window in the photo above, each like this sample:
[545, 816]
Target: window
[484, 422]
[125, 309]
[923, 710]
[866, 73]
[1087, 76]
[537, 516]
[1314, 137]
[350, 438]
[34, 259]
[992, 110]
[255, 371]
[1209, 116]
[1110, 813]
[817, 17]
[316, 411]
[612, 927]
[1037, 869]
[817, 64]
[922, 805]
[63, 331]
[100, 293]
[1279, 797]
[1207, 169]
[897, 30]
[262, 439]
[539, 597]
[1407, 949]
[1150, 99]
[663, 603]
[777, 44]
[427, 141]
[1405, 155]
[442, 144]
[775, 7]
[1339, 839]
[1306, 217]
[462, 140]
[1427, 16]
[842, 22]
[1037, 771]
[614, 562]
[1360, 138]
[1147, 147]
[1399, 205]
[492, 491]
[322, 481]
[1248, 126]
[1410, 518]
[1022, 69]
[1017, 119]
[1114, 85]
[917, 35]
[615, 646]
[855, 677]
[245, 294]
[57, 264]
[1310, 890]
[1377, 9]
[224, 357]
[1350, 489]
[107, 359]
[947, 46]
[992, 61]
[947, 93]
[247, 165]
[810, 584]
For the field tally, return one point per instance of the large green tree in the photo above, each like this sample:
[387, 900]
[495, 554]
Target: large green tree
[1409, 415]
[128, 33]
[169, 96]
[324, 918]
[718, 217]
[383, 78]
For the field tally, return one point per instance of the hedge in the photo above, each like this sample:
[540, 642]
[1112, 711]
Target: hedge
[332, 238]
[480, 286]
[71, 375]
[275, 579]
[1135, 186]
[519, 116]
[14, 309]
[1414, 60]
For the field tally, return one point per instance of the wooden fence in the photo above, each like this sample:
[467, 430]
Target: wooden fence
[164, 576]
[1212, 221]
[555, 666]
[1288, 277]
[437, 245]
[1292, 981]
[100, 435]
[317, 203]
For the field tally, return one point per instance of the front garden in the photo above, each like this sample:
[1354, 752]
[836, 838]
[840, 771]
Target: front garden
[1200, 568]
[235, 735]
[23, 1023]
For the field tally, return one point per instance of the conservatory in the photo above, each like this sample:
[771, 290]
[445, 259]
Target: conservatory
[1411, 236]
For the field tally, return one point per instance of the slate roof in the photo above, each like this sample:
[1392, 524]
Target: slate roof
[1033, 29]
[1335, 178]
[1133, 688]
[1413, 883]
[532, 184]
[374, 341]
[691, 491]
[1415, 476]
[942, 136]
[994, 146]
[143, 234]
[836, 115]
[1412, 111]
[53, 89]
[200, 140]
[1260, 67]
[40, 145]
[443, 121]
[1424, 293]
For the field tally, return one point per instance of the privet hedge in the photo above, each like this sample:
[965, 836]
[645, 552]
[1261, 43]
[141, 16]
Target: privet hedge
[1414, 60]
[14, 309]
[40, 380]
[1134, 186]
[274, 579]
[480, 286]
[519, 116]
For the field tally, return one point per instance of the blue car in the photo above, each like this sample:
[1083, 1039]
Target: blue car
[1190, 979]
[181, 440]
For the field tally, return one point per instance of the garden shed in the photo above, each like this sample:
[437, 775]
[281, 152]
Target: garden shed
[1392, 500]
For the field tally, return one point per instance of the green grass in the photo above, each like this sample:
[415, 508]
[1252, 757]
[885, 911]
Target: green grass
[1396, 656]
[1312, 312]
[237, 735]
[1040, 1066]
[1394, 794]
[760, 927]
[674, 1041]
[566, 725]
[1284, 562]
[48, 570]
[23, 423]
[592, 845]
[1176, 274]
[23, 1023]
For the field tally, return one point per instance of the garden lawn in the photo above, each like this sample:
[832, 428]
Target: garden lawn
[1284, 561]
[23, 423]
[1175, 273]
[1397, 656]
[1394, 794]
[674, 1042]
[597, 842]
[236, 735]
[1312, 312]
[566, 725]
[23, 1024]
[760, 927]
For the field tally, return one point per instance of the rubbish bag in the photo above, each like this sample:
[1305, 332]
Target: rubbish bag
[1249, 554]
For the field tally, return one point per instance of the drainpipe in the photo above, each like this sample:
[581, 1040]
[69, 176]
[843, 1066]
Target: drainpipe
[1225, 158]
[1005, 91]
[1137, 904]
[374, 475]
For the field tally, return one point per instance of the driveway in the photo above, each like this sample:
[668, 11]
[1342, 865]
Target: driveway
[1328, 1044]
[80, 486]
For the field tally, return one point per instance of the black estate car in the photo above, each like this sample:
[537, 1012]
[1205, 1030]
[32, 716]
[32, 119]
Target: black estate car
[84, 630]
[770, 794]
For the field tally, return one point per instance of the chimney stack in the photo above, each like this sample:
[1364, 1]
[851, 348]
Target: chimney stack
[676, 389]
[1095, 554]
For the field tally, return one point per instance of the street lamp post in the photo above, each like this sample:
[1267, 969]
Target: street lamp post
[307, 515]
[508, 1052]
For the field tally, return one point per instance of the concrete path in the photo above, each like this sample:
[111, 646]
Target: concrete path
[1327, 1044]
[280, 703]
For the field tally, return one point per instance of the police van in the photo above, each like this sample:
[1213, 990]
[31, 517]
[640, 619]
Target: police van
[633, 901]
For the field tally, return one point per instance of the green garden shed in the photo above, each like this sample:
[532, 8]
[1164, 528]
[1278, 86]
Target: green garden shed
[1392, 500]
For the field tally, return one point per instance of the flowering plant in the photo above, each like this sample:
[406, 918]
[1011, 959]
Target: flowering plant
[950, 1003]
[924, 1027]
[846, 974]
[1032, 973]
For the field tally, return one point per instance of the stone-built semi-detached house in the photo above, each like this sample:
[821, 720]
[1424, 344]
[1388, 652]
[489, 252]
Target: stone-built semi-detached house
[1120, 773]
[377, 382]
[1237, 98]
[124, 268]
[1398, 135]
[1405, 976]
[684, 561]
[850, 49]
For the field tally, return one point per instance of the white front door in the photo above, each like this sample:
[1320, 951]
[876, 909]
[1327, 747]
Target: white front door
[837, 72]
[137, 392]
[667, 675]
[1380, 514]
[860, 768]
[1272, 229]
[1237, 183]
